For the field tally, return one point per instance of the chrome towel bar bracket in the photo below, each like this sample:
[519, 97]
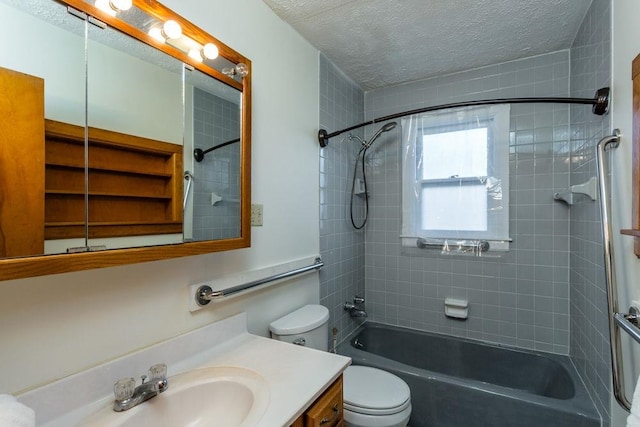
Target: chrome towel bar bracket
[629, 322]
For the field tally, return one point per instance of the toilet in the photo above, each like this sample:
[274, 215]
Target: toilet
[372, 397]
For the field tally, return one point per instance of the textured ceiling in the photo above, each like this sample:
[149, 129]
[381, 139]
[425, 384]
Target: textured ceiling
[380, 43]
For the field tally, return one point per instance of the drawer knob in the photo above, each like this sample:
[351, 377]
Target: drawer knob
[336, 414]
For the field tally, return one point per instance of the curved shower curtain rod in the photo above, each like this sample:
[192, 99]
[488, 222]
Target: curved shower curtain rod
[198, 153]
[600, 103]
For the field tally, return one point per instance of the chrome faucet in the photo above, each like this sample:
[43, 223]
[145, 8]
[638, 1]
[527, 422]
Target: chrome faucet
[127, 395]
[353, 309]
[357, 313]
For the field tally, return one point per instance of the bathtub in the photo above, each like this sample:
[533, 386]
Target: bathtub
[459, 382]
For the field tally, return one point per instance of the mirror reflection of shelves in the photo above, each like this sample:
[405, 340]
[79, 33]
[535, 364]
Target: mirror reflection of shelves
[135, 185]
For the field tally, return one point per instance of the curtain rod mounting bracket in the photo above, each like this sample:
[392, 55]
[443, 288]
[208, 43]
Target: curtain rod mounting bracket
[601, 106]
[323, 139]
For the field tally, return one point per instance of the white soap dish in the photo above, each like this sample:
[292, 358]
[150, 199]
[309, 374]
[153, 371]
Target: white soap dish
[456, 308]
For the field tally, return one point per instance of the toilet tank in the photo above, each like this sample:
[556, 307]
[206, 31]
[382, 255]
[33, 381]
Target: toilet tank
[308, 326]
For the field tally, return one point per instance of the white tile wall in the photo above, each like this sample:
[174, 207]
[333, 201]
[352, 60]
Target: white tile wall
[341, 247]
[219, 171]
[590, 69]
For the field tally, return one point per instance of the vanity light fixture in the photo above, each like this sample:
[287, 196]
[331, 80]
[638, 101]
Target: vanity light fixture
[112, 7]
[171, 32]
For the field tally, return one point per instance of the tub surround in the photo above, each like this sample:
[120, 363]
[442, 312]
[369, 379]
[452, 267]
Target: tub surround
[296, 376]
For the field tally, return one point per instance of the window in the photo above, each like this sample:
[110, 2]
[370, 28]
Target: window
[456, 175]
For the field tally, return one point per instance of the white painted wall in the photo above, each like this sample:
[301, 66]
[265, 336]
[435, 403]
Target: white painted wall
[53, 326]
[626, 46]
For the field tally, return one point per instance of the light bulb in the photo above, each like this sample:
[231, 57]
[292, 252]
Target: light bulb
[195, 55]
[172, 29]
[210, 51]
[241, 69]
[105, 6]
[156, 33]
[120, 5]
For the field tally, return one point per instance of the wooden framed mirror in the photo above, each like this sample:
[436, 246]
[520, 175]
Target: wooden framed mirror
[635, 200]
[110, 179]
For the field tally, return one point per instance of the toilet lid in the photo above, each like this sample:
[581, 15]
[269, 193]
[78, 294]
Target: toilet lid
[372, 390]
[302, 320]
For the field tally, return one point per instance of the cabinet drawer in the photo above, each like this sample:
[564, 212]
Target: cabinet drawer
[327, 410]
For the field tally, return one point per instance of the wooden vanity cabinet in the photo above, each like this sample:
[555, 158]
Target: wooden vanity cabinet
[326, 411]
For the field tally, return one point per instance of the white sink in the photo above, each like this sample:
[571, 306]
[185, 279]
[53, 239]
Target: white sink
[216, 396]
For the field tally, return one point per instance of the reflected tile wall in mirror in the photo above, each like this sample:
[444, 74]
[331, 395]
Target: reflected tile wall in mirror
[216, 121]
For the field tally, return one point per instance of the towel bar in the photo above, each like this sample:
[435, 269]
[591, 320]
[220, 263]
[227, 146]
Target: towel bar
[205, 294]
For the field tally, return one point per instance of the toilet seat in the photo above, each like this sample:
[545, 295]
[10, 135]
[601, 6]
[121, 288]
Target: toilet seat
[372, 391]
[376, 412]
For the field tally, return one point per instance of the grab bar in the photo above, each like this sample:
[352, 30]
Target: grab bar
[205, 294]
[189, 177]
[612, 290]
[629, 323]
[477, 246]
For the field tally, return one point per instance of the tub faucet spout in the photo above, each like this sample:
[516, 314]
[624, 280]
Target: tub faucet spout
[354, 310]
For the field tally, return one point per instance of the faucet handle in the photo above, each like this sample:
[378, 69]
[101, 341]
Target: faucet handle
[124, 388]
[158, 372]
[358, 300]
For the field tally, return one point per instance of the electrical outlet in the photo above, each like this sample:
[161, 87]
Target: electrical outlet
[256, 214]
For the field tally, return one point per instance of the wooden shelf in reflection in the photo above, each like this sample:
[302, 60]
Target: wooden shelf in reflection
[115, 229]
[135, 184]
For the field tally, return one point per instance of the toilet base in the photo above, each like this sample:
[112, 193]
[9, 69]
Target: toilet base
[354, 419]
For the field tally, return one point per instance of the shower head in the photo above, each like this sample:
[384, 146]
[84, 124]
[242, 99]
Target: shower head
[386, 128]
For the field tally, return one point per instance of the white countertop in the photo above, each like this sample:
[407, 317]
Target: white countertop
[296, 376]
